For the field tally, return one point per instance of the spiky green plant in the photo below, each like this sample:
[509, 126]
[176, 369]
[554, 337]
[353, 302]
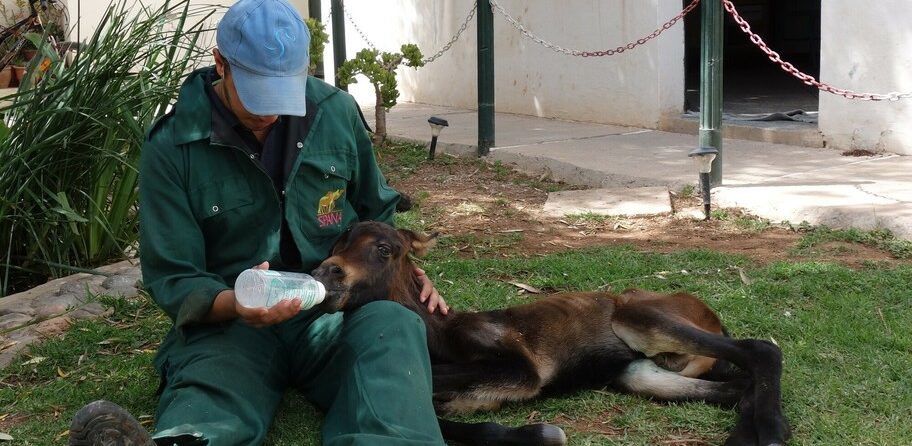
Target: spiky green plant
[380, 69]
[68, 177]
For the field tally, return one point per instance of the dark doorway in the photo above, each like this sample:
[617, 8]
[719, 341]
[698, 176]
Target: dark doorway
[752, 84]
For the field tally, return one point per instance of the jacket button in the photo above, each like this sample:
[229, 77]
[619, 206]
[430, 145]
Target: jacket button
[332, 168]
[300, 144]
[215, 208]
[253, 156]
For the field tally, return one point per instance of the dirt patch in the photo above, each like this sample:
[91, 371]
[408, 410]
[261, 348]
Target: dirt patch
[599, 424]
[858, 152]
[484, 209]
[10, 420]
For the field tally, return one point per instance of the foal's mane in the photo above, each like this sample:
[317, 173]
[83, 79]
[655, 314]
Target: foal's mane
[404, 287]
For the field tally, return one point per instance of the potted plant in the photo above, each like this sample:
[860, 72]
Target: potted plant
[6, 76]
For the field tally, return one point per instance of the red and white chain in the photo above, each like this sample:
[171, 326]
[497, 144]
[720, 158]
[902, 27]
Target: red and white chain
[804, 77]
[610, 52]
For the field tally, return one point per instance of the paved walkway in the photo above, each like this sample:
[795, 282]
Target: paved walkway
[775, 181]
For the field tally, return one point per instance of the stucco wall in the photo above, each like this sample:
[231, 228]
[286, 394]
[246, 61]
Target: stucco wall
[862, 48]
[88, 13]
[868, 49]
[634, 88]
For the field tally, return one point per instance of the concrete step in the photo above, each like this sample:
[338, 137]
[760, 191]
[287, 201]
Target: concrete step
[792, 133]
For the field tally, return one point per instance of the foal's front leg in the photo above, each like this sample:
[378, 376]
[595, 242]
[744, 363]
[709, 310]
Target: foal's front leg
[484, 386]
[462, 388]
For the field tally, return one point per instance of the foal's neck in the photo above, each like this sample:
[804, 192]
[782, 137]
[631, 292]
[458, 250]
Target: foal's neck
[436, 323]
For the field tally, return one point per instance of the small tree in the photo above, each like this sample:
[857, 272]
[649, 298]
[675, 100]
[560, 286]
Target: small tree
[380, 69]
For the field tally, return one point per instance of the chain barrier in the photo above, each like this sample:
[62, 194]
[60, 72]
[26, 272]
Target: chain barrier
[804, 77]
[609, 52]
[459, 32]
[427, 60]
[358, 29]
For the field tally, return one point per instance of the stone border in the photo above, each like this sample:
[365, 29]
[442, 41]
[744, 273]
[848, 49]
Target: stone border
[49, 309]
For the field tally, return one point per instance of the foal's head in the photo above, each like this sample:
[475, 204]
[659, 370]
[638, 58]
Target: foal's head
[371, 262]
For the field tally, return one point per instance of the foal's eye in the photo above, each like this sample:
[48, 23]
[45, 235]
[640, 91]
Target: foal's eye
[384, 251]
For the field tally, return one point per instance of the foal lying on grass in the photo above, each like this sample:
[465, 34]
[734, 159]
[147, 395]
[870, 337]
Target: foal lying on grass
[668, 347]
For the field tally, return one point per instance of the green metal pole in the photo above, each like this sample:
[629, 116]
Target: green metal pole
[338, 37]
[711, 83]
[315, 10]
[485, 77]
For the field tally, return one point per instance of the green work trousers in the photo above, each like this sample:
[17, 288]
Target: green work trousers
[369, 370]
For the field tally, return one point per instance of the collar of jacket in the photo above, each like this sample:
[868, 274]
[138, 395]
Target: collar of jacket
[193, 103]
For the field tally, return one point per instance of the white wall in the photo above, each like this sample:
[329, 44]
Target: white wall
[90, 12]
[636, 88]
[867, 49]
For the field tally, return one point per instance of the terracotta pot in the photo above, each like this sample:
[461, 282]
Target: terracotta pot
[18, 75]
[6, 76]
[29, 54]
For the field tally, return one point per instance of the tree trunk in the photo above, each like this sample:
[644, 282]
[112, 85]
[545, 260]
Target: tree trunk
[380, 118]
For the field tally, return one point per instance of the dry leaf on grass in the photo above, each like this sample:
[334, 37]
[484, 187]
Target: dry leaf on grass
[526, 288]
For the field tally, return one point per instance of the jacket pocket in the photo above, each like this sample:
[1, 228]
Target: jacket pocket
[320, 195]
[220, 197]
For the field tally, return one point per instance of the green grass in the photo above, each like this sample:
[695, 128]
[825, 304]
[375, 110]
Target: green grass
[589, 217]
[688, 190]
[883, 239]
[844, 334]
[751, 224]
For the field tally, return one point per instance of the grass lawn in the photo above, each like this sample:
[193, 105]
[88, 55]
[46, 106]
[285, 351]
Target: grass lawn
[844, 333]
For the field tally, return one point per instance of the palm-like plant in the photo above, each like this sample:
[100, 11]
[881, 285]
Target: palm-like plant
[68, 177]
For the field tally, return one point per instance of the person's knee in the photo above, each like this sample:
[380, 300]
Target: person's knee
[387, 310]
[387, 318]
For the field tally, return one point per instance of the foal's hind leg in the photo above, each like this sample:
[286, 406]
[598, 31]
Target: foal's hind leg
[650, 330]
[645, 378]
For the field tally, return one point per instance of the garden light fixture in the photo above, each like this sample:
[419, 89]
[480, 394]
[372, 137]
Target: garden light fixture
[437, 124]
[703, 158]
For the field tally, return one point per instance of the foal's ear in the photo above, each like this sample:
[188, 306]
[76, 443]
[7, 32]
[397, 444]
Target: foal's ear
[419, 244]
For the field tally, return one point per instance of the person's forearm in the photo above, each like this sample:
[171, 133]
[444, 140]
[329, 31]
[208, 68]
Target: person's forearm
[223, 307]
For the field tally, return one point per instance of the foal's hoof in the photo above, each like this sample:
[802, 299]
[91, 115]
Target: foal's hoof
[538, 434]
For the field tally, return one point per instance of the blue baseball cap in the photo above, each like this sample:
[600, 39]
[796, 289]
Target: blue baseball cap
[266, 44]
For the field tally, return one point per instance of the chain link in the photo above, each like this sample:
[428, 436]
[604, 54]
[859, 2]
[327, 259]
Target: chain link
[804, 77]
[465, 24]
[427, 60]
[358, 30]
[496, 7]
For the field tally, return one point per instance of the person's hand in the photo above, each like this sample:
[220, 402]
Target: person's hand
[264, 317]
[429, 294]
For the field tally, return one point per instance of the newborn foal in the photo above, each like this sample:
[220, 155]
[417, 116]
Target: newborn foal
[669, 347]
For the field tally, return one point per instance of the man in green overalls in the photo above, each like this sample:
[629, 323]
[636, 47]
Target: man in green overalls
[259, 164]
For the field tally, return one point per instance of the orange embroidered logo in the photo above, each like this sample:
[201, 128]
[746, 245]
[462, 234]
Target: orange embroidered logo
[327, 212]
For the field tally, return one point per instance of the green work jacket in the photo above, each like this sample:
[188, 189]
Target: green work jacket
[208, 209]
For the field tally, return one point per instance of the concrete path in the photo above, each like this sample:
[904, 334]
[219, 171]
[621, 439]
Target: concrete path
[775, 181]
